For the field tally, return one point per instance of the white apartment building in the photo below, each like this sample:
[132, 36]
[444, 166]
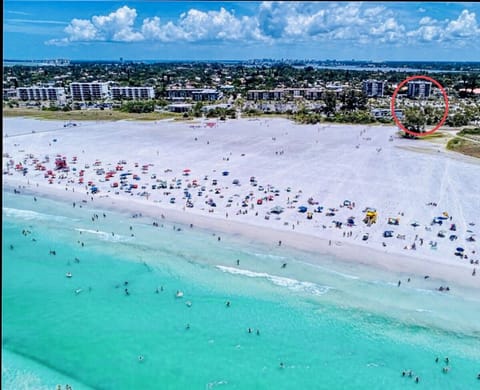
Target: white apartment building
[52, 94]
[373, 88]
[419, 88]
[88, 91]
[286, 94]
[133, 93]
[195, 94]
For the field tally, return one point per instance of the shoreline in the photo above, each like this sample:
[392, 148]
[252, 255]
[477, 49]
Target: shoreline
[347, 252]
[232, 177]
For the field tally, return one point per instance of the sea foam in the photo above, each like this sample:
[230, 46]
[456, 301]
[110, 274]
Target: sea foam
[291, 284]
[30, 215]
[104, 235]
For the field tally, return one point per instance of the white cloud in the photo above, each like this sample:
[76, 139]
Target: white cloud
[280, 22]
[117, 26]
[464, 26]
[461, 29]
[388, 31]
[81, 30]
[426, 20]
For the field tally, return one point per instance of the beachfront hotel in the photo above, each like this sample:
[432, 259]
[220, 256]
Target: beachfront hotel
[51, 94]
[373, 88]
[88, 91]
[419, 89]
[133, 93]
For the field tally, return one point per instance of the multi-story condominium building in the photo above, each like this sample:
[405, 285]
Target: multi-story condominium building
[134, 93]
[267, 94]
[88, 91]
[418, 88]
[9, 93]
[196, 94]
[373, 88]
[285, 94]
[41, 94]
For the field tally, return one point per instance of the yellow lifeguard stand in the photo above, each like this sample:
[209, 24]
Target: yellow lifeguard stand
[370, 217]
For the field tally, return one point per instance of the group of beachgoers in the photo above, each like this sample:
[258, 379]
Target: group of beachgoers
[179, 294]
[209, 192]
[67, 387]
[445, 370]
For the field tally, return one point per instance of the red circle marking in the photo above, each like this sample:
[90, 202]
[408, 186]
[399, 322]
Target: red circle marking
[394, 96]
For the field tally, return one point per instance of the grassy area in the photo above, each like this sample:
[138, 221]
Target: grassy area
[86, 115]
[466, 142]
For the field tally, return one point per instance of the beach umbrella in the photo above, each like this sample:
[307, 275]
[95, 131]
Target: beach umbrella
[302, 209]
[460, 249]
[225, 173]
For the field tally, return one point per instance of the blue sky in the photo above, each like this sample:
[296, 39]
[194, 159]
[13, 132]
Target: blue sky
[108, 30]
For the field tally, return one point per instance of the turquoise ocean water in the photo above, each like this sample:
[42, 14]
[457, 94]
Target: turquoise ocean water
[333, 325]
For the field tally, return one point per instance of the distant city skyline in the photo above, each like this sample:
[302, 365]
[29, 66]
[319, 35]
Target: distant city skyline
[154, 30]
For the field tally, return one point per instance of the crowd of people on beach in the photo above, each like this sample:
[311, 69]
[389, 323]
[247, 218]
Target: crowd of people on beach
[252, 202]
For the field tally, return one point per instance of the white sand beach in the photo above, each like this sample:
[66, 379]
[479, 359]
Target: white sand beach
[228, 176]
